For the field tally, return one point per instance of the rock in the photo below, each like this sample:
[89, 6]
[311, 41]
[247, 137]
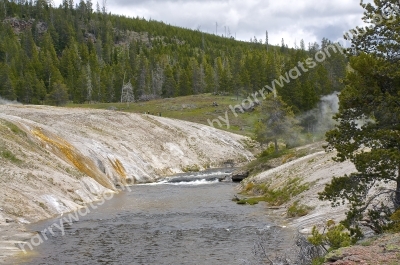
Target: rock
[8, 220]
[235, 198]
[224, 179]
[90, 36]
[42, 27]
[239, 175]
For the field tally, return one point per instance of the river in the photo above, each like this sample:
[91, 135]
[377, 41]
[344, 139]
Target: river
[173, 222]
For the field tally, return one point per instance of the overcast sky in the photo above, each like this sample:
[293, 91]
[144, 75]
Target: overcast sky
[292, 20]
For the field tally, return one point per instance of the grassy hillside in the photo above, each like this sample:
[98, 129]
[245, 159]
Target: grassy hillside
[195, 108]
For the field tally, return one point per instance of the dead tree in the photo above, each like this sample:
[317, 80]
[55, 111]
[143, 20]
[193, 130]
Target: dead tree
[127, 93]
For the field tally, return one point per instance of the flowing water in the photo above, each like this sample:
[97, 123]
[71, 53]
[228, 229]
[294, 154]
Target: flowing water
[176, 221]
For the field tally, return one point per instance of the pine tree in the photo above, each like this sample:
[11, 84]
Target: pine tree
[369, 123]
[6, 88]
[184, 83]
[59, 95]
[169, 86]
[278, 121]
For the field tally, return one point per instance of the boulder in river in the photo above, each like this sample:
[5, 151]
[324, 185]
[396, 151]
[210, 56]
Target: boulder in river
[239, 175]
[224, 178]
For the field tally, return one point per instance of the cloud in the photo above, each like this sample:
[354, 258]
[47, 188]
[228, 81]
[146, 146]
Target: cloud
[292, 20]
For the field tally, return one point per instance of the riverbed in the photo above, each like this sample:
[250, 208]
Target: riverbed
[187, 219]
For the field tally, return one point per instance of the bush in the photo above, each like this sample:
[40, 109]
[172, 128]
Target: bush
[318, 261]
[275, 197]
[395, 218]
[298, 210]
[282, 195]
[267, 152]
[334, 236]
[191, 168]
[249, 187]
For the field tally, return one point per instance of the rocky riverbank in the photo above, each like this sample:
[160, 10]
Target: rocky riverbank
[315, 169]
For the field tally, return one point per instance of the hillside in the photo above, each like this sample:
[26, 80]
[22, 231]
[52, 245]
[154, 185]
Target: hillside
[77, 54]
[55, 160]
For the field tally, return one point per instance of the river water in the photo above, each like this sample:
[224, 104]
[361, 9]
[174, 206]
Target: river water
[173, 222]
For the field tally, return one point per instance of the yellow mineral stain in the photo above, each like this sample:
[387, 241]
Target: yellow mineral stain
[83, 164]
[117, 165]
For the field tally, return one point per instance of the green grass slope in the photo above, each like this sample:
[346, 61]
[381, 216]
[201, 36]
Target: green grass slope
[194, 108]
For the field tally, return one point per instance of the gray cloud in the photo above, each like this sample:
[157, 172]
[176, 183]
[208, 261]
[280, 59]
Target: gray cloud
[307, 19]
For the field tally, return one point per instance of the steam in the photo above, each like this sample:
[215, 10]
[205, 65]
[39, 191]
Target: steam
[320, 119]
[8, 102]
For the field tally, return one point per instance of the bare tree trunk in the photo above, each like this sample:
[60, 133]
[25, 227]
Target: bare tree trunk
[276, 145]
[397, 198]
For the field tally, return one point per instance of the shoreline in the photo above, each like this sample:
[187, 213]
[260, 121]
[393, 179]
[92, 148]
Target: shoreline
[11, 235]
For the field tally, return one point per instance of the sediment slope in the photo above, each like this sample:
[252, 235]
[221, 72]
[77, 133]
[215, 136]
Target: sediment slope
[54, 160]
[316, 169]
